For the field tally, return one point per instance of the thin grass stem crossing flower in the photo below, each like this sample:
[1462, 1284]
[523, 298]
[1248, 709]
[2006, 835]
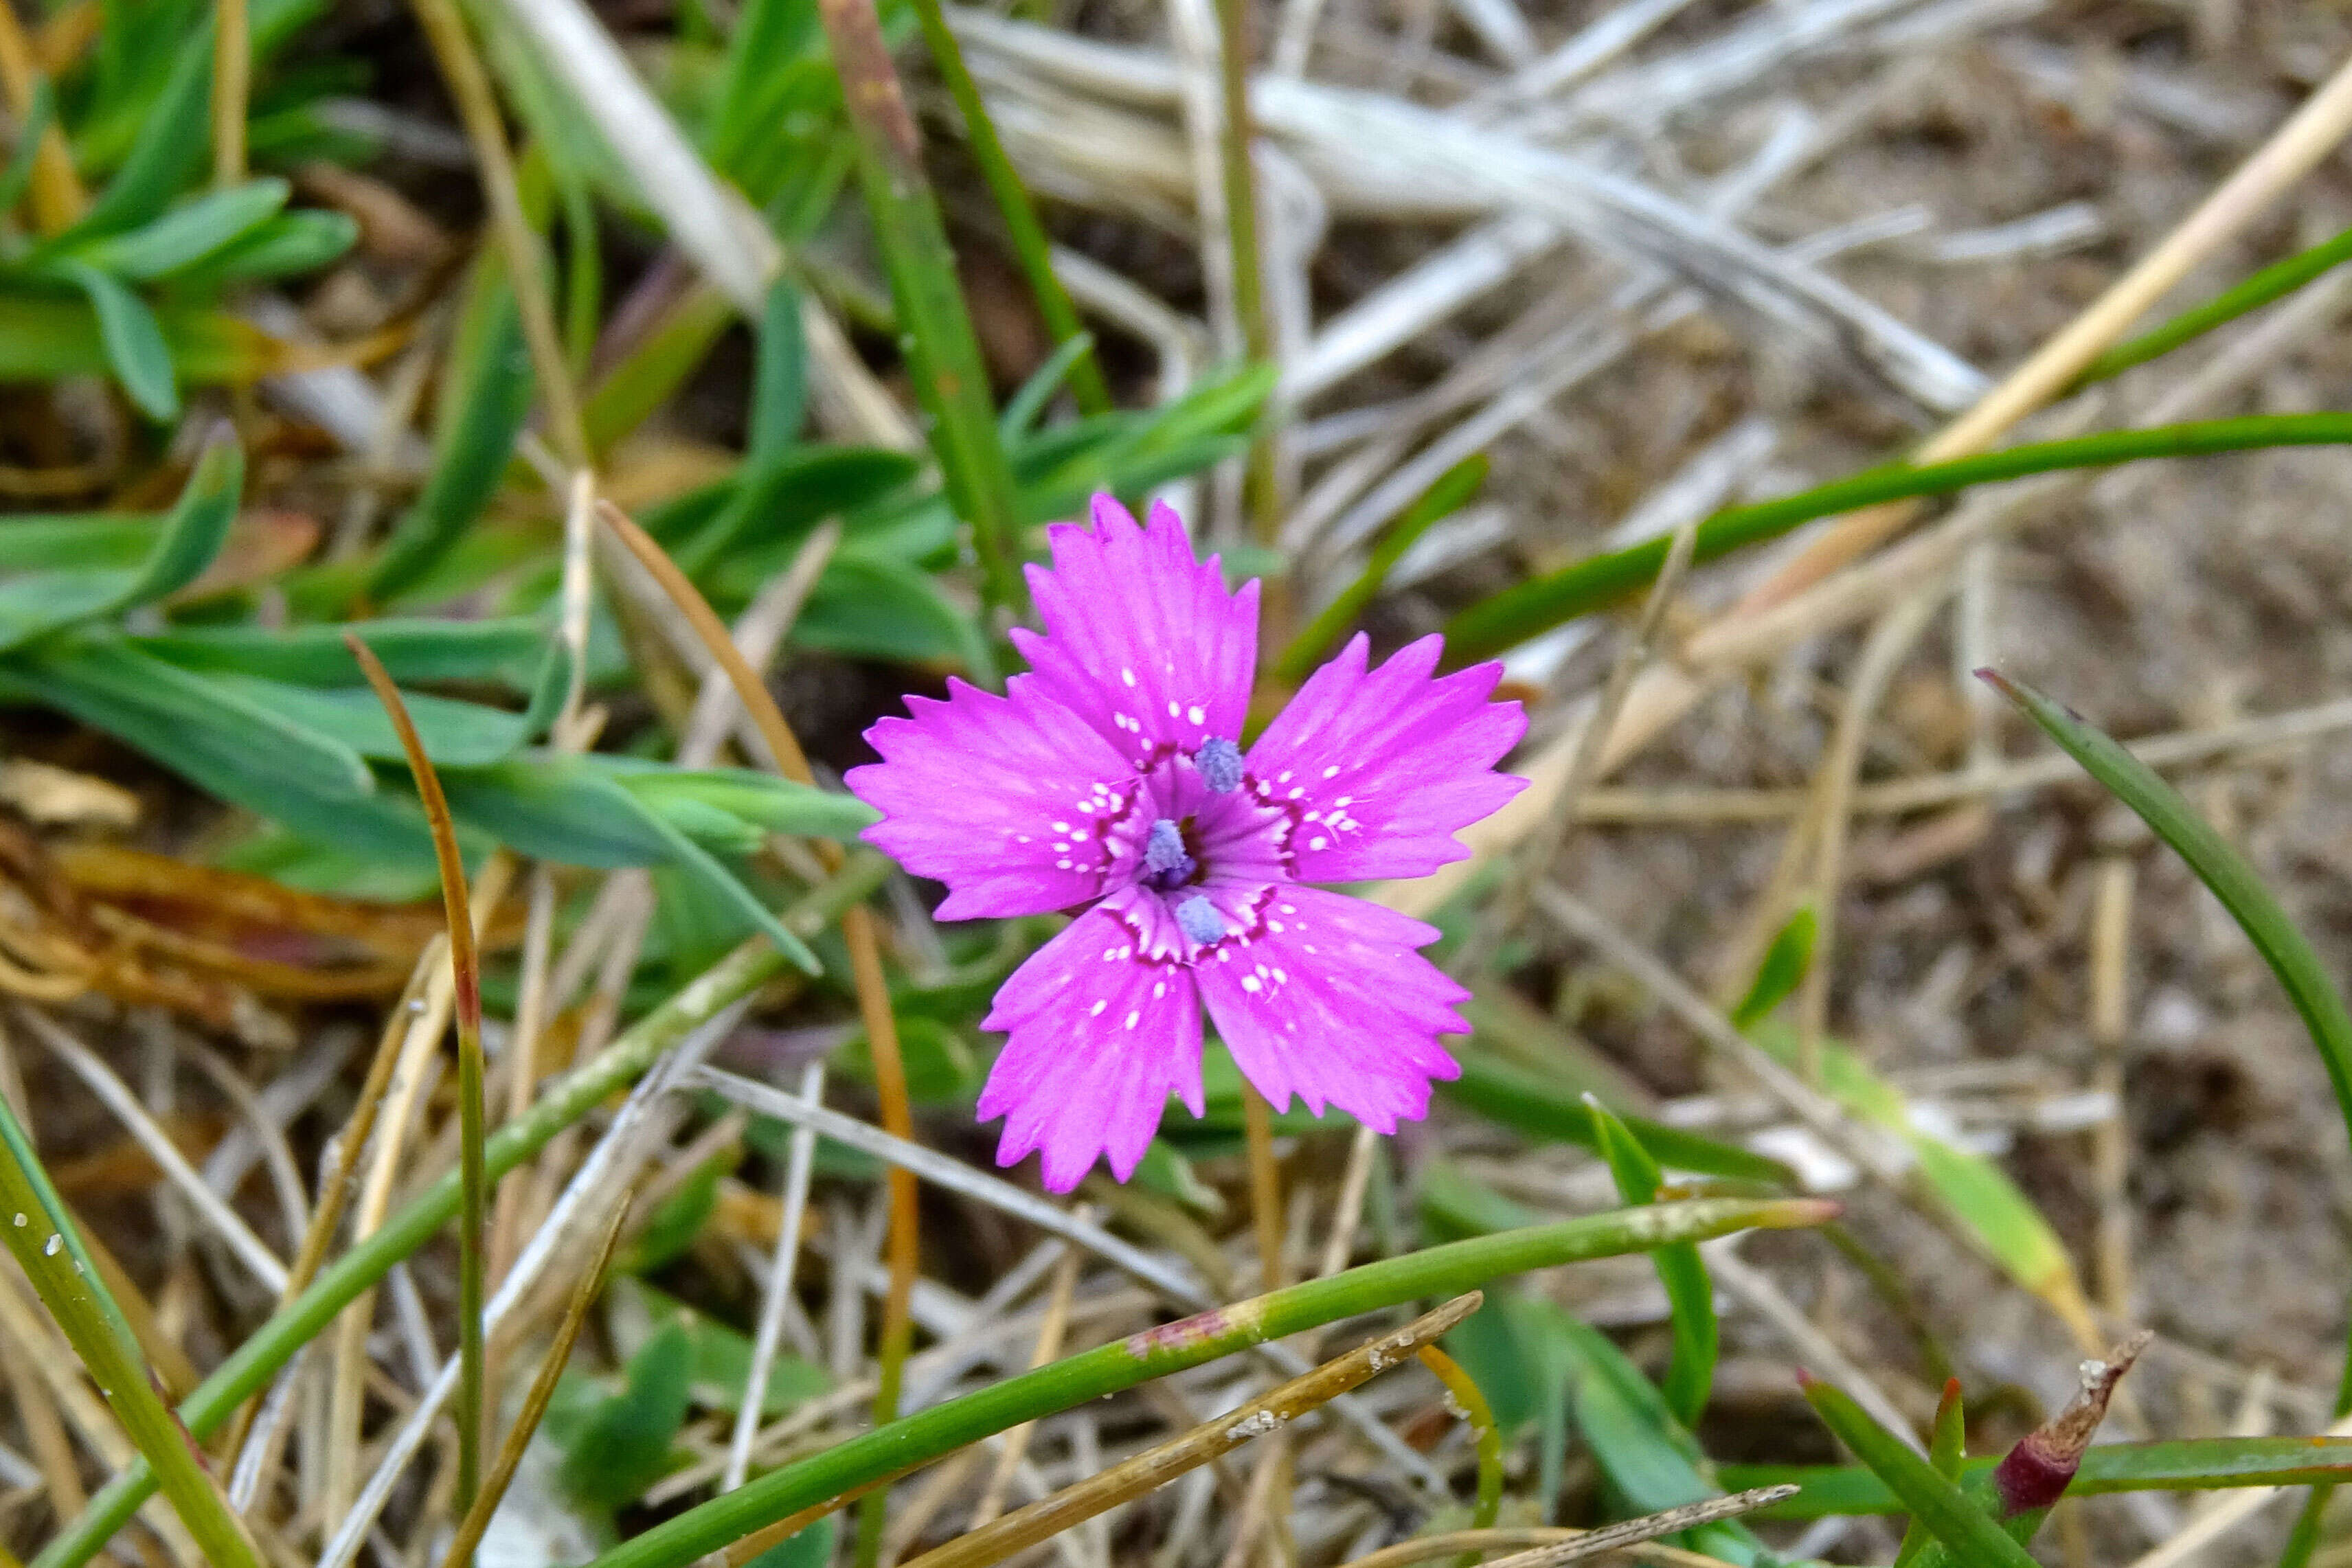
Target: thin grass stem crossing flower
[1111, 780]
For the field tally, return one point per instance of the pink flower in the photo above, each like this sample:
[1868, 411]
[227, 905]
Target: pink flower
[1110, 777]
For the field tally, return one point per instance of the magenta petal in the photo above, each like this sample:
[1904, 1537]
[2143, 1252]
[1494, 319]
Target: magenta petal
[1327, 999]
[1006, 799]
[1101, 1036]
[1139, 637]
[1384, 766]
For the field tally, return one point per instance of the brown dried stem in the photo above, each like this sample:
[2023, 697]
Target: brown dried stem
[1023, 1527]
[465, 976]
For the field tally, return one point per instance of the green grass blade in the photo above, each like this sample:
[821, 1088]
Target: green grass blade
[1155, 1352]
[1947, 1451]
[779, 377]
[1507, 619]
[1984, 1204]
[942, 352]
[1969, 1534]
[37, 1236]
[254, 1362]
[2222, 869]
[2281, 278]
[1690, 1294]
[1448, 493]
[2186, 1464]
[472, 448]
[1019, 213]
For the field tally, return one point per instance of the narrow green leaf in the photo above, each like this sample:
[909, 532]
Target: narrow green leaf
[779, 378]
[870, 607]
[2188, 1464]
[1782, 970]
[1651, 1460]
[777, 805]
[1690, 1294]
[289, 246]
[186, 235]
[1947, 1451]
[471, 450]
[195, 528]
[1448, 493]
[1528, 1102]
[629, 392]
[191, 724]
[2281, 278]
[572, 810]
[1965, 1531]
[2308, 986]
[1028, 405]
[508, 650]
[951, 378]
[135, 348]
[177, 548]
[74, 1293]
[1528, 610]
[1984, 1205]
[784, 495]
[456, 734]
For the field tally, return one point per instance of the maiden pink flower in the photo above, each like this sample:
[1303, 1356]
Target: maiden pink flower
[1110, 779]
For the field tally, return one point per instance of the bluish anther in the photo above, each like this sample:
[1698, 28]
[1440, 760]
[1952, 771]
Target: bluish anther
[1200, 919]
[1220, 762]
[1165, 863]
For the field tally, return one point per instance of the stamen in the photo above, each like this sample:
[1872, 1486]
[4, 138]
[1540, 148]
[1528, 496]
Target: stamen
[1200, 919]
[1163, 851]
[1220, 762]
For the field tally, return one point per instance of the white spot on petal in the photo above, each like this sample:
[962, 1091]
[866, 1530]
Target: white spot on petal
[1250, 984]
[1128, 675]
[1133, 1019]
[1196, 713]
[1318, 841]
[1332, 771]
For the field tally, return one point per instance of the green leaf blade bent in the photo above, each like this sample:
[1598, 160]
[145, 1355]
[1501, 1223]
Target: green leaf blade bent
[2309, 988]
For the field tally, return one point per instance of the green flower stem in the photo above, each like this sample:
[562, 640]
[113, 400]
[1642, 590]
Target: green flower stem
[942, 352]
[1012, 203]
[254, 1362]
[1507, 619]
[1155, 1352]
